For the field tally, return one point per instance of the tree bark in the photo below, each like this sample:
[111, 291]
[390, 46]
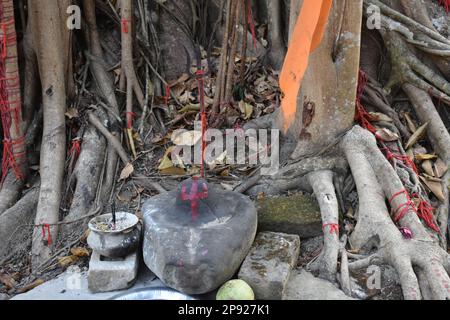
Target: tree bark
[51, 49]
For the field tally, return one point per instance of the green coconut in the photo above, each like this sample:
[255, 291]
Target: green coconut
[235, 290]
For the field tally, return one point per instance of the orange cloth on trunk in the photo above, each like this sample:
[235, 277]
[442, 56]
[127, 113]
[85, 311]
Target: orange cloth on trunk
[306, 37]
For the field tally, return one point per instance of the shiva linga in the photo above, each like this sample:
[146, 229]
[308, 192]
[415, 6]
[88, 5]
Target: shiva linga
[197, 236]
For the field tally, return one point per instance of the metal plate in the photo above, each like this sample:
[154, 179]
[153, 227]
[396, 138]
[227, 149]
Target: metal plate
[153, 293]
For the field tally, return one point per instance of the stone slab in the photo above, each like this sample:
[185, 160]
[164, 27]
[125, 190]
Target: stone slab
[297, 214]
[268, 265]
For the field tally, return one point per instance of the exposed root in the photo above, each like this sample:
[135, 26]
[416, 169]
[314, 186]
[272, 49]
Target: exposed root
[440, 140]
[376, 180]
[22, 213]
[105, 85]
[322, 184]
[133, 85]
[293, 175]
[275, 36]
[407, 68]
[86, 176]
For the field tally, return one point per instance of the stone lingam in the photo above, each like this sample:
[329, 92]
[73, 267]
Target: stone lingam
[196, 237]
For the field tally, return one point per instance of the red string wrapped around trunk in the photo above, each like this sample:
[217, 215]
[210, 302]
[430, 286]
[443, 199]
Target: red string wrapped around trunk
[251, 22]
[445, 4]
[361, 115]
[10, 110]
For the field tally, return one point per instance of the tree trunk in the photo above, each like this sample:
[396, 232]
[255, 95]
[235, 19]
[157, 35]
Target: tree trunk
[52, 52]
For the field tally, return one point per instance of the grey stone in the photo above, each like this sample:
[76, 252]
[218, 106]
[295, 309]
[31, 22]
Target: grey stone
[303, 285]
[268, 265]
[112, 275]
[197, 255]
[296, 214]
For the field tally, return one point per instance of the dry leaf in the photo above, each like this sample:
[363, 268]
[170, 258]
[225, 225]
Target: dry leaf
[186, 138]
[173, 171]
[126, 172]
[31, 286]
[387, 135]
[80, 252]
[427, 166]
[217, 161]
[72, 113]
[67, 261]
[246, 109]
[411, 125]
[440, 168]
[208, 100]
[417, 135]
[435, 187]
[85, 235]
[159, 139]
[183, 78]
[165, 162]
[194, 170]
[378, 116]
[421, 156]
[431, 178]
[8, 281]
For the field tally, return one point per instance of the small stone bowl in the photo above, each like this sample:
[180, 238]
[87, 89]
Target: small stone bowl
[118, 242]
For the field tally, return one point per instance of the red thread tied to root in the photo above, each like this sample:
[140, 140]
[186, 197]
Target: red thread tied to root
[445, 4]
[125, 26]
[425, 212]
[46, 232]
[251, 23]
[361, 115]
[167, 96]
[403, 208]
[75, 149]
[130, 116]
[334, 228]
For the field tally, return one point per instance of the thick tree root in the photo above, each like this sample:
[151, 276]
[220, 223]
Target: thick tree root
[322, 184]
[376, 234]
[407, 68]
[12, 221]
[376, 180]
[86, 177]
[440, 140]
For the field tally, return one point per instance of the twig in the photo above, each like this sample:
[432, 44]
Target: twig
[108, 135]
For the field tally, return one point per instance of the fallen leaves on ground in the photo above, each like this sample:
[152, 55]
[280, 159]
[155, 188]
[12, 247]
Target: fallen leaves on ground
[67, 261]
[126, 172]
[7, 280]
[80, 252]
[417, 135]
[31, 286]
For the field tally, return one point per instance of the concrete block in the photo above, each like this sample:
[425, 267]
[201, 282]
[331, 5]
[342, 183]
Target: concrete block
[268, 265]
[110, 275]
